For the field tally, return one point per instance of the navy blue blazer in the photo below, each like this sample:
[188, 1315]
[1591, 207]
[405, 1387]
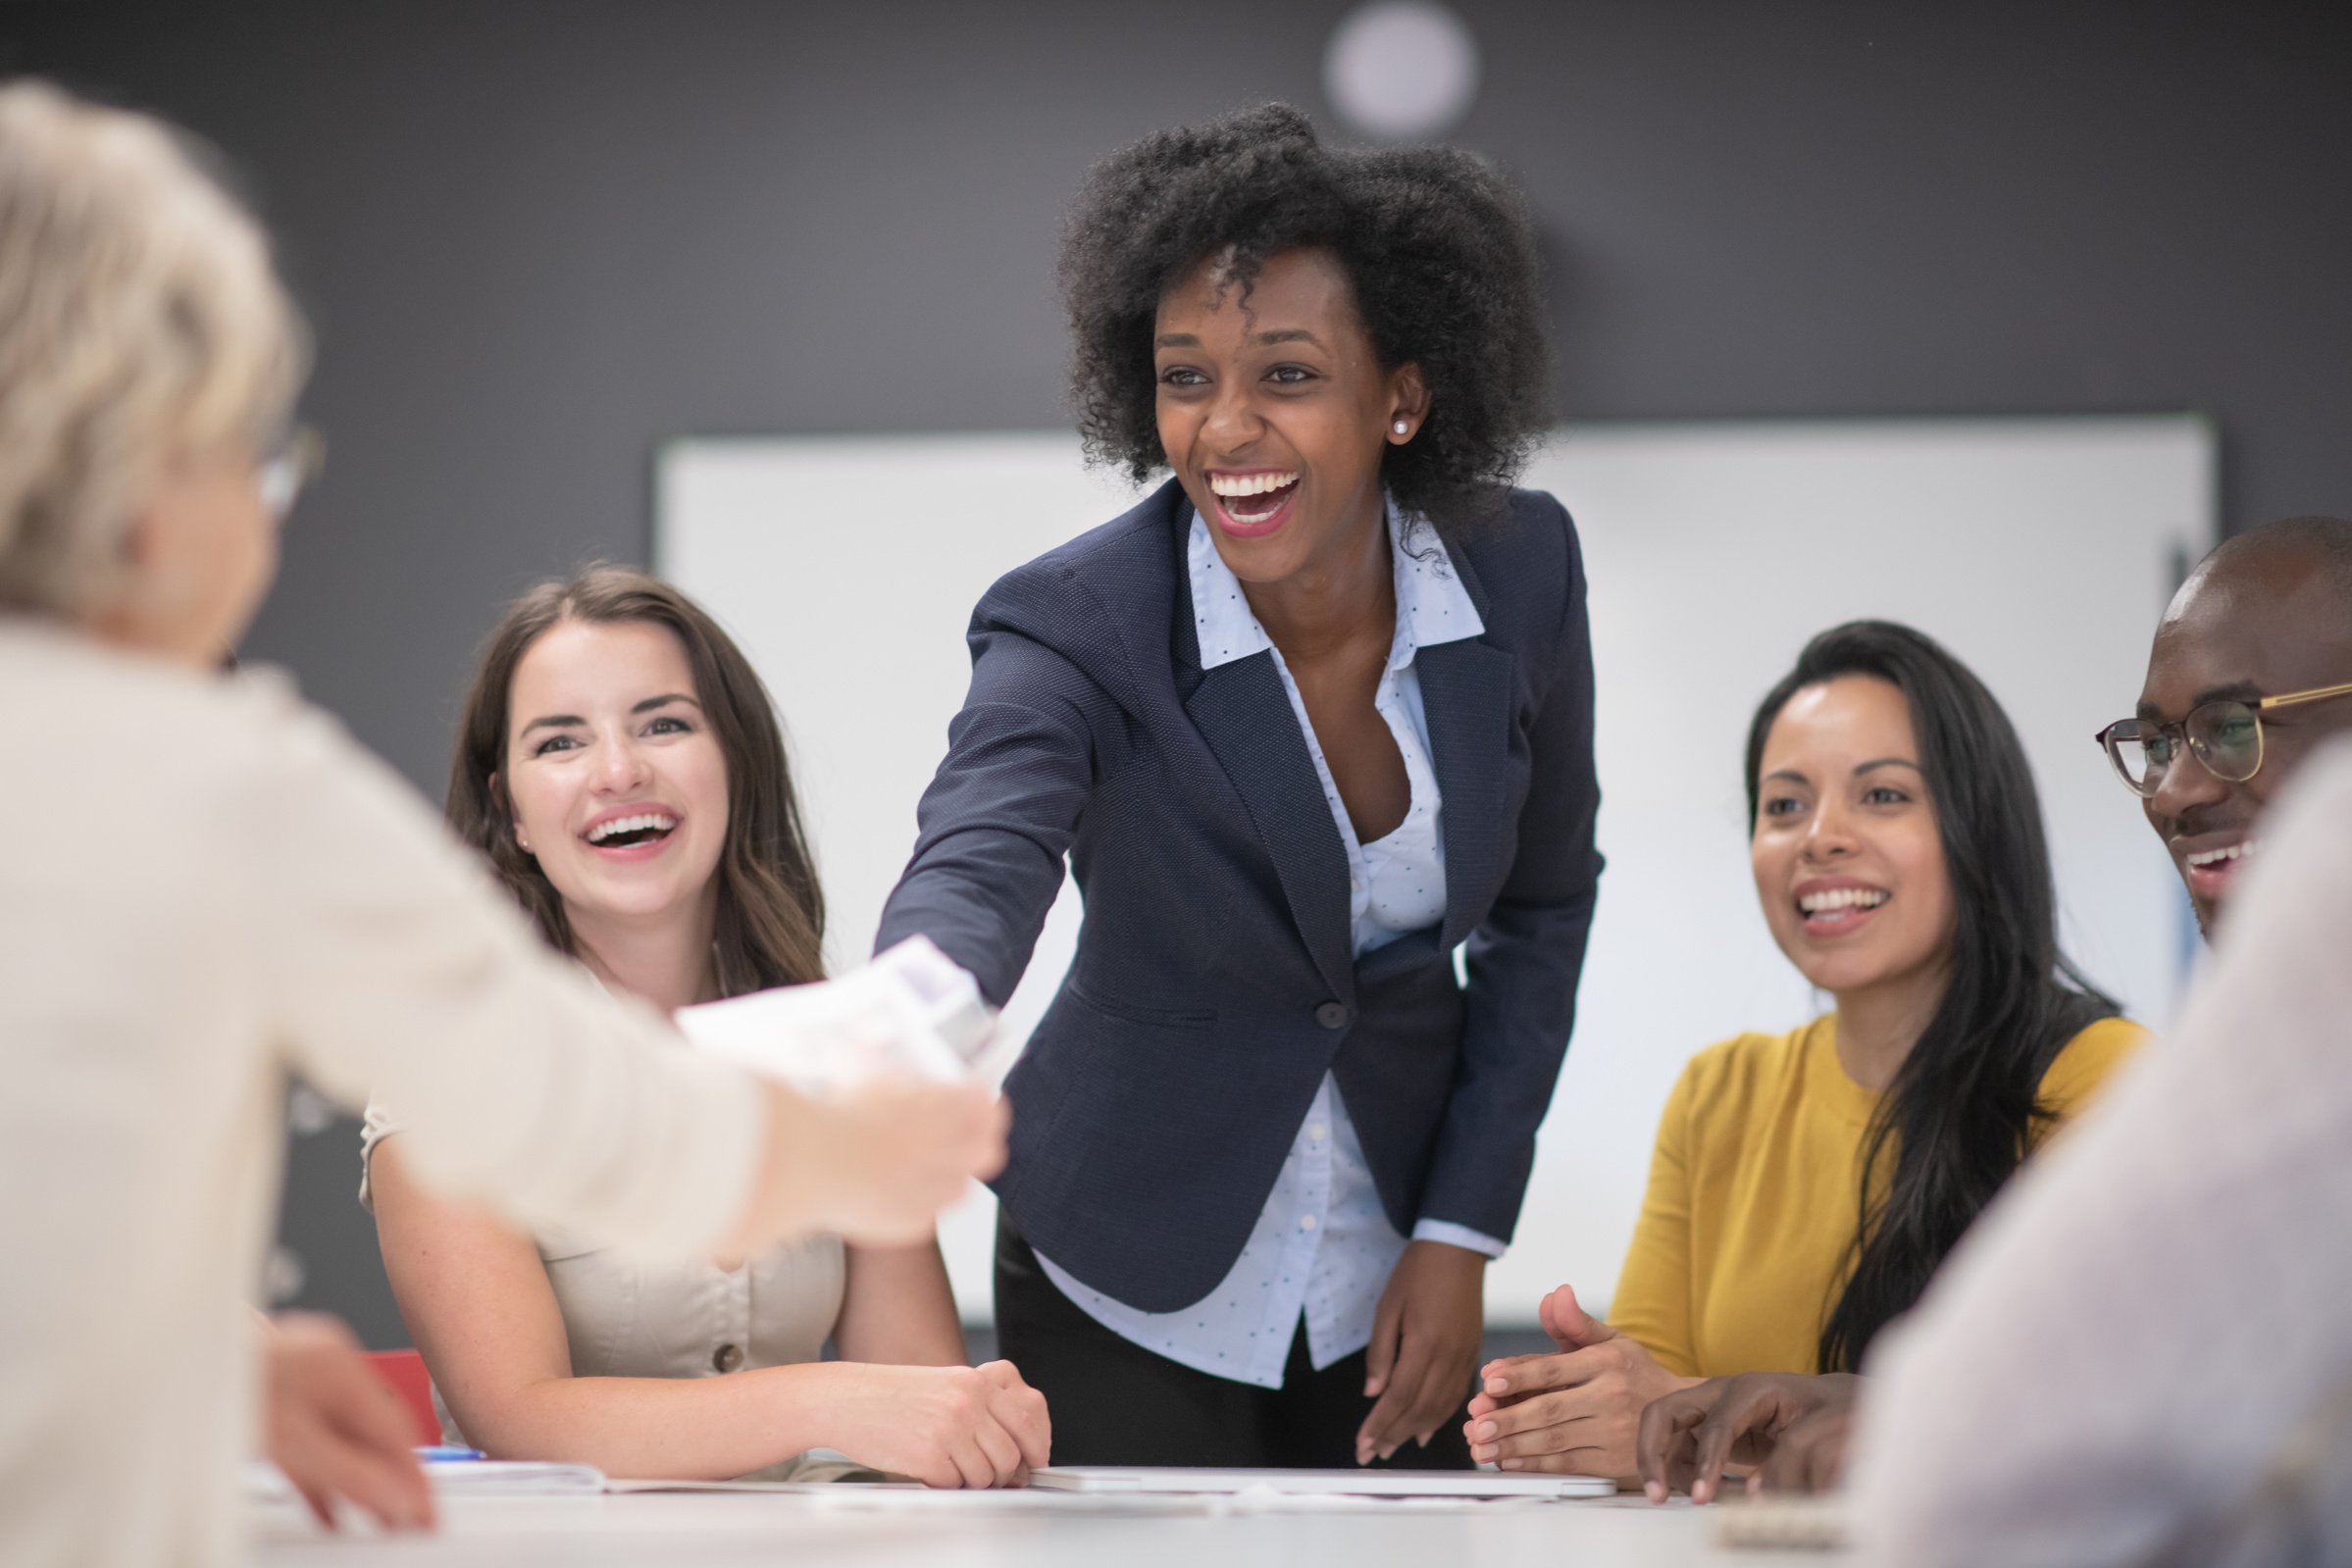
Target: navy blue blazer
[1214, 981]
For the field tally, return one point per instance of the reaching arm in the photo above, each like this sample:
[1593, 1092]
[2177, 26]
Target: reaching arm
[389, 961]
[476, 1297]
[1002, 811]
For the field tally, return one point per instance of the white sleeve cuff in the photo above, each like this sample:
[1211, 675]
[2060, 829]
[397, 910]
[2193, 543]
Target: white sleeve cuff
[1461, 1236]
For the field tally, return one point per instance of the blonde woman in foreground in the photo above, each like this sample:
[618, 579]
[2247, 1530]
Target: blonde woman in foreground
[223, 889]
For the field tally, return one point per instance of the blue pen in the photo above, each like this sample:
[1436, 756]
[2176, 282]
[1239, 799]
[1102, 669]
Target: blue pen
[445, 1453]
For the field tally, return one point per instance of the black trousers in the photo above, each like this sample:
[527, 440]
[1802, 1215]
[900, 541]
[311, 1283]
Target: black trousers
[1116, 1403]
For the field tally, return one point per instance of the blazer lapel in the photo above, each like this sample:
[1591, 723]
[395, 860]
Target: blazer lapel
[1242, 711]
[1467, 694]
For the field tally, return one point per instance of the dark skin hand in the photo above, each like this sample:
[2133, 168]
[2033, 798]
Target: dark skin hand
[1426, 1339]
[1788, 1429]
[1277, 387]
[2262, 623]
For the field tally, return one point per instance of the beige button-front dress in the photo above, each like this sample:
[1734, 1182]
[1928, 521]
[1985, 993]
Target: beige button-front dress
[628, 1320]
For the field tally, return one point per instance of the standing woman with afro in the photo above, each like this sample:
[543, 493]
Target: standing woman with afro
[1312, 717]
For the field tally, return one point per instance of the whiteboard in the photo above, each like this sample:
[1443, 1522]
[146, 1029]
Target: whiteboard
[2040, 552]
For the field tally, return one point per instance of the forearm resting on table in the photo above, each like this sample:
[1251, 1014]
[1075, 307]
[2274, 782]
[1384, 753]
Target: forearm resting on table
[476, 1297]
[662, 1429]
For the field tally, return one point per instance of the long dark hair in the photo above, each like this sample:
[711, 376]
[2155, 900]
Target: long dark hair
[771, 916]
[1964, 1109]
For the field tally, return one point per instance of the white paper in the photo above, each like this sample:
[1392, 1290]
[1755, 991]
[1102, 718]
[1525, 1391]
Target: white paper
[911, 1011]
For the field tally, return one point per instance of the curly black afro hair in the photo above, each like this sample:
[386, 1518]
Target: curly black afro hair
[1435, 241]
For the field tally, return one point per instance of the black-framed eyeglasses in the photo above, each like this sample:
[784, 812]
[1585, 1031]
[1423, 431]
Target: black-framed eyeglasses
[294, 462]
[2224, 736]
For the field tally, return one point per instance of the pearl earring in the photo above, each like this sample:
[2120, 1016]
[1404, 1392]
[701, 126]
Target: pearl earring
[1400, 426]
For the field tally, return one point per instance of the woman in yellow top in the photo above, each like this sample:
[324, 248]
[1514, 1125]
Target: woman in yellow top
[1806, 1186]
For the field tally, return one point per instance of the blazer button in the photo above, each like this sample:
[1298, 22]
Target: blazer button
[1332, 1015]
[727, 1357]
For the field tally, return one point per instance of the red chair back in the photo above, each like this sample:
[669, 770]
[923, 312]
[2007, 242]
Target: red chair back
[404, 1372]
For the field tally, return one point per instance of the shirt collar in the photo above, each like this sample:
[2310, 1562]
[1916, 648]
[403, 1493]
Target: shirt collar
[1432, 605]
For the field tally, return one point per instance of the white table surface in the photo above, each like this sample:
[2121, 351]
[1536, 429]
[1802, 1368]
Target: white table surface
[1022, 1531]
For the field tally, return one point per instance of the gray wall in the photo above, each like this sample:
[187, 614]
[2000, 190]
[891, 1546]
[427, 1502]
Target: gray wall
[540, 238]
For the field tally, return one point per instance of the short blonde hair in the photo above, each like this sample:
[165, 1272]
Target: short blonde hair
[141, 319]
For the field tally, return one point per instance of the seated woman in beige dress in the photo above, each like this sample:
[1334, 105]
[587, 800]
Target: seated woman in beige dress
[619, 766]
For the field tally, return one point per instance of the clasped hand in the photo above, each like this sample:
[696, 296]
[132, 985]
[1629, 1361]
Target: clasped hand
[1573, 1412]
[942, 1426]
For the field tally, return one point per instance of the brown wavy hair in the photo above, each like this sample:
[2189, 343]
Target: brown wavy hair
[771, 915]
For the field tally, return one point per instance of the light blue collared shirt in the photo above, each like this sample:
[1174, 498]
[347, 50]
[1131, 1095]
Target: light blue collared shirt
[1322, 1247]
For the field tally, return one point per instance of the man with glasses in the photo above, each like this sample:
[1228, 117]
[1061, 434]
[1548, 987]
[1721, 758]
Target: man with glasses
[2251, 670]
[2144, 1357]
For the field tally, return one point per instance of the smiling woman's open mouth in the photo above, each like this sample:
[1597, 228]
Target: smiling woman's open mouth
[629, 832]
[1251, 499]
[1836, 908]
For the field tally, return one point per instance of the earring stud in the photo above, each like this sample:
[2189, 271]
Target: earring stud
[1400, 426]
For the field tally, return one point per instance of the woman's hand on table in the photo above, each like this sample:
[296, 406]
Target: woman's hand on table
[1426, 1339]
[1790, 1426]
[1573, 1412]
[334, 1427]
[942, 1426]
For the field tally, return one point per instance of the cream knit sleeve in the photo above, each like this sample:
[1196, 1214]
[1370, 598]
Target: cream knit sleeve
[395, 971]
[2127, 1340]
